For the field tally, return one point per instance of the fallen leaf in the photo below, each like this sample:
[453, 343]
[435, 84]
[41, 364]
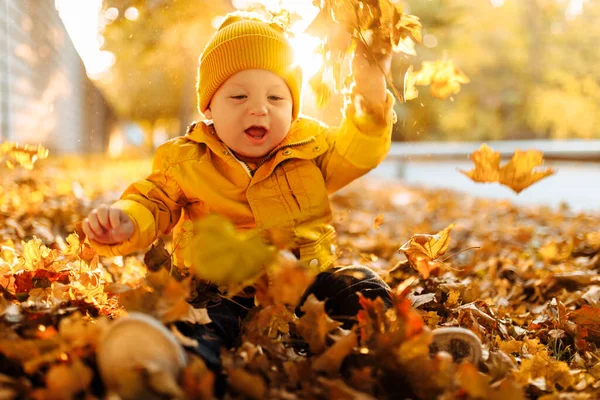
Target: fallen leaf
[331, 360]
[246, 383]
[64, 381]
[315, 324]
[587, 317]
[157, 257]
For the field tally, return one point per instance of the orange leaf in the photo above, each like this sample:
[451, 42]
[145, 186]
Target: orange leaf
[587, 317]
[518, 174]
[422, 250]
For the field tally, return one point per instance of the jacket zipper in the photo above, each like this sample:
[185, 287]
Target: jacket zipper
[274, 151]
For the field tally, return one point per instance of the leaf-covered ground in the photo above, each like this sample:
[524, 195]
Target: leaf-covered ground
[525, 280]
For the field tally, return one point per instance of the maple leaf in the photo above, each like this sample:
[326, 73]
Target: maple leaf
[518, 174]
[445, 79]
[422, 250]
[315, 324]
[158, 257]
[587, 317]
[220, 254]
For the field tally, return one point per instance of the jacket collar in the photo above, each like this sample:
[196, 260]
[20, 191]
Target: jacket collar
[304, 141]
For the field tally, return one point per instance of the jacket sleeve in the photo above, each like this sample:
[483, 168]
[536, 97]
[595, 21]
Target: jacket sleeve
[359, 144]
[154, 204]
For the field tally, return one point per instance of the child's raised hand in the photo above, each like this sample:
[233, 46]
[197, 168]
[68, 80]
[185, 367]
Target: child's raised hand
[108, 225]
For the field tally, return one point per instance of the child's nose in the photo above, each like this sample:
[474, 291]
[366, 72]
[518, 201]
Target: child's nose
[258, 107]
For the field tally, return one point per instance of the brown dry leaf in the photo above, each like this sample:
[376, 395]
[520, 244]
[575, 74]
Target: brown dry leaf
[518, 174]
[587, 317]
[422, 250]
[157, 257]
[315, 324]
[197, 380]
[331, 360]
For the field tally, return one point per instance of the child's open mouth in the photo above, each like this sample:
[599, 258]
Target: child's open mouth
[256, 133]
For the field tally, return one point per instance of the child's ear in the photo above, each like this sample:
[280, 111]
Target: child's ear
[207, 113]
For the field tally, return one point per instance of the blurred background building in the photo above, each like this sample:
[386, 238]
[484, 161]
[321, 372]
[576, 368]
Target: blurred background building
[46, 96]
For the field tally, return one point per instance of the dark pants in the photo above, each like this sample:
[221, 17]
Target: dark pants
[338, 287]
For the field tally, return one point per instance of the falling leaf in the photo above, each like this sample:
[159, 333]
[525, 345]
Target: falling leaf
[410, 90]
[220, 254]
[315, 324]
[378, 221]
[422, 250]
[445, 79]
[518, 174]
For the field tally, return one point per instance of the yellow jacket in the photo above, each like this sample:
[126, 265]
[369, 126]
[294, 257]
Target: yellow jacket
[196, 174]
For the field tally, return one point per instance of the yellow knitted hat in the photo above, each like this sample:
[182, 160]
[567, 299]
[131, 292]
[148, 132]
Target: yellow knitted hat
[246, 42]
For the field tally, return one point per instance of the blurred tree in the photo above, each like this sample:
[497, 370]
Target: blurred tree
[156, 55]
[533, 70]
[533, 66]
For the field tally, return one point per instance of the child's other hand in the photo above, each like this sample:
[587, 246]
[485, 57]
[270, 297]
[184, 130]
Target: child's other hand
[108, 225]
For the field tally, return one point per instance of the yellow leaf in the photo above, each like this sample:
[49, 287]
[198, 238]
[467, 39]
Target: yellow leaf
[517, 174]
[410, 90]
[472, 381]
[320, 89]
[220, 254]
[556, 251]
[422, 250]
[410, 26]
[487, 165]
[445, 79]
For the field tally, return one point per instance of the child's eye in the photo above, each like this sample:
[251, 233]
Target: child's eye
[275, 98]
[240, 97]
